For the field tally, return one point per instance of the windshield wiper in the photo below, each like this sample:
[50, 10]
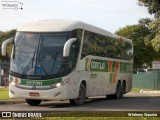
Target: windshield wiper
[31, 60]
[54, 62]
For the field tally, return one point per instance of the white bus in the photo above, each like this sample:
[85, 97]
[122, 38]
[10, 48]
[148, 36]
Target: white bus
[68, 60]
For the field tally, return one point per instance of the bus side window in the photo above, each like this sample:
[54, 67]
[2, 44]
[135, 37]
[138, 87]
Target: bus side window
[72, 57]
[77, 34]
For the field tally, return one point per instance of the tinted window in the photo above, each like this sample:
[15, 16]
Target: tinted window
[74, 50]
[38, 54]
[99, 45]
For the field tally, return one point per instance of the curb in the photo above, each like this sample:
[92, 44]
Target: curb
[150, 91]
[2, 102]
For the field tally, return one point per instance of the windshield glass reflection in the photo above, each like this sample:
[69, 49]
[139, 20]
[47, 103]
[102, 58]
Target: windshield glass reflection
[38, 54]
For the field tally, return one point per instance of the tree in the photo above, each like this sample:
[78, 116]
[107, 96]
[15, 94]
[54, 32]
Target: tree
[145, 21]
[142, 53]
[3, 37]
[152, 5]
[153, 8]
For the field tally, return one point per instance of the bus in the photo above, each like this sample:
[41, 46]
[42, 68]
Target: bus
[68, 60]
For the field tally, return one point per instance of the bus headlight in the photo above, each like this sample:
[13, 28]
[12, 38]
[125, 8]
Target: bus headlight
[58, 84]
[13, 83]
[64, 81]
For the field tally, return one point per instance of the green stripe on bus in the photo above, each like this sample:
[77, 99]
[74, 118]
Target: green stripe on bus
[102, 66]
[40, 82]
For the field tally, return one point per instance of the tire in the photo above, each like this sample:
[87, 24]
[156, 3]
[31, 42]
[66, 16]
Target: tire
[33, 102]
[122, 90]
[118, 94]
[110, 96]
[81, 96]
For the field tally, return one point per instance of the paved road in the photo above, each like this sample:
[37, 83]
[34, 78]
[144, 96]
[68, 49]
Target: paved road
[130, 102]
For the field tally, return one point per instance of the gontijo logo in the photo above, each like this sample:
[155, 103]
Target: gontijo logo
[98, 65]
[93, 64]
[12, 5]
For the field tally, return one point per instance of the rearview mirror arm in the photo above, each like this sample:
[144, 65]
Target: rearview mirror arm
[4, 46]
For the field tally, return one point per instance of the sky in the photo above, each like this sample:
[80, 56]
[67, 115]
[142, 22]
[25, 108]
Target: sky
[106, 14]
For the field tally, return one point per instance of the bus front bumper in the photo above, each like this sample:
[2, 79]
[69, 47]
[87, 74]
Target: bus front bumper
[59, 93]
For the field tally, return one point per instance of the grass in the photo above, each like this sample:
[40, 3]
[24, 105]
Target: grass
[95, 115]
[102, 118]
[136, 89]
[4, 94]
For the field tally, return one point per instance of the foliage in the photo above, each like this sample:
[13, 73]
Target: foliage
[145, 35]
[143, 51]
[153, 8]
[3, 37]
[155, 26]
[145, 21]
[152, 5]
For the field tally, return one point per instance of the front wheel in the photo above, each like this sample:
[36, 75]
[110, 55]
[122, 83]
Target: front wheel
[33, 102]
[81, 96]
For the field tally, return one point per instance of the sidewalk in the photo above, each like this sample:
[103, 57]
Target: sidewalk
[150, 91]
[12, 101]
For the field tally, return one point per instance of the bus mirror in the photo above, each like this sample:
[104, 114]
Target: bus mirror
[67, 46]
[4, 45]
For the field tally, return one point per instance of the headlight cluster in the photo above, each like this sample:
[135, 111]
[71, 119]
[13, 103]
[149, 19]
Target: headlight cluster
[64, 81]
[14, 83]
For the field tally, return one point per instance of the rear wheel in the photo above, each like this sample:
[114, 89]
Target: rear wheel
[118, 91]
[123, 90]
[33, 102]
[81, 96]
[110, 96]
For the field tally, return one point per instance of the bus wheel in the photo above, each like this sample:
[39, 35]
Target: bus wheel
[33, 102]
[118, 94]
[81, 96]
[123, 90]
[110, 96]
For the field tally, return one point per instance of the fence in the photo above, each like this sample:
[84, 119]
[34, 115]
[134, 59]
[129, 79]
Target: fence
[147, 80]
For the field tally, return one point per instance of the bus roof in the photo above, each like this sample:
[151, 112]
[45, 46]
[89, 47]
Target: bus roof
[64, 25]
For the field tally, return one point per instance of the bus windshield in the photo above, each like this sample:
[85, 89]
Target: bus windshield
[38, 54]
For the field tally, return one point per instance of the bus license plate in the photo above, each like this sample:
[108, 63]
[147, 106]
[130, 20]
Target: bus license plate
[35, 94]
